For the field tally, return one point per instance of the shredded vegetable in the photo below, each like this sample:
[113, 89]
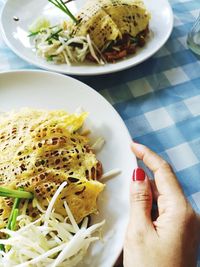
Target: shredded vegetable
[57, 43]
[51, 240]
[110, 174]
[97, 146]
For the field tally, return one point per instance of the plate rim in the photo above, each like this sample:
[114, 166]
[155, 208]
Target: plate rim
[89, 88]
[83, 73]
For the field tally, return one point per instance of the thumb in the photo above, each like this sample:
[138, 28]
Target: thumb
[140, 200]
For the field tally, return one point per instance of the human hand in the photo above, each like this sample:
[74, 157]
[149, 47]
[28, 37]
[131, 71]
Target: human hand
[171, 240]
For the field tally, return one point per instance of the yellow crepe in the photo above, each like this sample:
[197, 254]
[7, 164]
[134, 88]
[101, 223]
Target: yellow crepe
[97, 23]
[106, 20]
[41, 149]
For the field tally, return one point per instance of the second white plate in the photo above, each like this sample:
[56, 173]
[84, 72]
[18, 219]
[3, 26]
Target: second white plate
[15, 34]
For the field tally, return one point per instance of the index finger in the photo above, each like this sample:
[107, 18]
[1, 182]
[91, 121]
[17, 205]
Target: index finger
[165, 178]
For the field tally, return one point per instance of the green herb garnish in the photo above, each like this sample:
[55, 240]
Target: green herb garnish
[134, 40]
[61, 5]
[11, 225]
[14, 219]
[50, 58]
[54, 35]
[13, 215]
[17, 194]
[6, 192]
[34, 33]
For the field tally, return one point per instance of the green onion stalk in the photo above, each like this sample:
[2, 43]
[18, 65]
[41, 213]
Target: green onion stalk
[6, 192]
[18, 195]
[62, 6]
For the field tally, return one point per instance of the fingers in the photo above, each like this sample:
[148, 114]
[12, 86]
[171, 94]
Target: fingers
[141, 201]
[165, 179]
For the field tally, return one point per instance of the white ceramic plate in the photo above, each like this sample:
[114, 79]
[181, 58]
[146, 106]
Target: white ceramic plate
[15, 34]
[46, 90]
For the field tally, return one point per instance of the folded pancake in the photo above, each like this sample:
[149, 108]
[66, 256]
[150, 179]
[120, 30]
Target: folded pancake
[107, 20]
[41, 149]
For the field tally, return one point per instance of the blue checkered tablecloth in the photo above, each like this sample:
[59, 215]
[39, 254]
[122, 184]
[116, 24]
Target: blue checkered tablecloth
[159, 100]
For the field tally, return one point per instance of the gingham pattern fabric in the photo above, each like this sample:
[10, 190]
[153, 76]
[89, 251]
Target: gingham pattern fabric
[159, 100]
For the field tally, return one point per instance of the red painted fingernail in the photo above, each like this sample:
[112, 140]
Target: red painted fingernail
[138, 175]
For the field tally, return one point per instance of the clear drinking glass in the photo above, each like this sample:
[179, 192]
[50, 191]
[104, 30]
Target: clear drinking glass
[193, 38]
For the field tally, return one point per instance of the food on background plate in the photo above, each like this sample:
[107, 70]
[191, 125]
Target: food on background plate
[103, 31]
[51, 172]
